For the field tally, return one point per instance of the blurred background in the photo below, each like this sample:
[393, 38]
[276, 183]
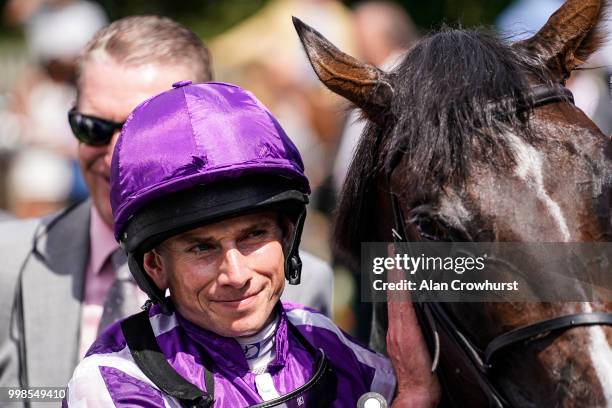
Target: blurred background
[254, 45]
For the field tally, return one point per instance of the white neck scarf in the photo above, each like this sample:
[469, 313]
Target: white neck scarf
[258, 349]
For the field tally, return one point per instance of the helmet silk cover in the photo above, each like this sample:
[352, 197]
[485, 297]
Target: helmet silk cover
[196, 135]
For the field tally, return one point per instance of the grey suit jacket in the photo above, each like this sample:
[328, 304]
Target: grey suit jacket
[316, 287]
[42, 281]
[4, 216]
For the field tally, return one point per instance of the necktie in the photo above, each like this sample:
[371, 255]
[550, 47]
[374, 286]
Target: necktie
[121, 300]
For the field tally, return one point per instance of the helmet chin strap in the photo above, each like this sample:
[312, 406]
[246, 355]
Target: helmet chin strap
[293, 263]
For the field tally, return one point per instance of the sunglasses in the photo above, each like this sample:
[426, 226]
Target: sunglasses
[92, 130]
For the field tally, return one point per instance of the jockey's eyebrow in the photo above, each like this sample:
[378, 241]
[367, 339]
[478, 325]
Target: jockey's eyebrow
[260, 224]
[195, 237]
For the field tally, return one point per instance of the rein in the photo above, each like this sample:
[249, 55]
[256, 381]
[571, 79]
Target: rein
[434, 320]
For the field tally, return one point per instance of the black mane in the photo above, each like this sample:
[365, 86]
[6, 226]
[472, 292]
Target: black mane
[456, 91]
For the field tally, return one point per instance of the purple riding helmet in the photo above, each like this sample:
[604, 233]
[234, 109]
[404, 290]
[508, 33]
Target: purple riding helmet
[196, 154]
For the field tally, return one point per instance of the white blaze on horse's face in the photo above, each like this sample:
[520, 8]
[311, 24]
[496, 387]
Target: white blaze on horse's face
[529, 168]
[601, 357]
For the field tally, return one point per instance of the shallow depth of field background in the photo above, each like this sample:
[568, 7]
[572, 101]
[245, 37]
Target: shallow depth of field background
[254, 45]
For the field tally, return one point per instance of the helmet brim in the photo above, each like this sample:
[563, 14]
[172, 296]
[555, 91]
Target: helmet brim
[189, 209]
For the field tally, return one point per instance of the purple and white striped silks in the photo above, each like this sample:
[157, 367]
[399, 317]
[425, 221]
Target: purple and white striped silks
[108, 376]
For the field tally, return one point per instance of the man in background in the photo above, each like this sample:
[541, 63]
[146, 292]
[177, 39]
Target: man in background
[66, 277]
[383, 33]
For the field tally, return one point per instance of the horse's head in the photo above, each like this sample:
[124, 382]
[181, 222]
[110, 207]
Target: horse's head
[452, 131]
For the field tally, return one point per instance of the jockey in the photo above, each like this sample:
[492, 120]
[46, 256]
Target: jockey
[209, 199]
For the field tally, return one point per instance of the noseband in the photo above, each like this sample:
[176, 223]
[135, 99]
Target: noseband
[433, 318]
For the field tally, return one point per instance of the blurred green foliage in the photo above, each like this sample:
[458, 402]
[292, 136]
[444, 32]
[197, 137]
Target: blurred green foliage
[205, 17]
[431, 14]
[211, 17]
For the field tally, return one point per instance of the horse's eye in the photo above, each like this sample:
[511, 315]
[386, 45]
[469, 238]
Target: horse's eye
[431, 230]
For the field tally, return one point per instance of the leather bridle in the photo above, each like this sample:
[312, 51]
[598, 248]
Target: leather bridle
[434, 319]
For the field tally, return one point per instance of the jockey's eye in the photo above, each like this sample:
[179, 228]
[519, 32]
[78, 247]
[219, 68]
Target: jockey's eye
[201, 248]
[256, 233]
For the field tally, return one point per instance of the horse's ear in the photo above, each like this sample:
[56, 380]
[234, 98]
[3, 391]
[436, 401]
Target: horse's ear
[365, 85]
[569, 37]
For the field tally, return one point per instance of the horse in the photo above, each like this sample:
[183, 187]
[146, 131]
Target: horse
[462, 114]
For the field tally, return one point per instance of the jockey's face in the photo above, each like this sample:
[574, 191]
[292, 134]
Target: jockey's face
[111, 91]
[225, 277]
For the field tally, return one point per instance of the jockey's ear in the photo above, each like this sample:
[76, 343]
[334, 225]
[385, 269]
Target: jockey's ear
[154, 266]
[569, 37]
[363, 84]
[288, 229]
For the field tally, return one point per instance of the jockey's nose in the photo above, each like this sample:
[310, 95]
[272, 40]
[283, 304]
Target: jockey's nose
[234, 271]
